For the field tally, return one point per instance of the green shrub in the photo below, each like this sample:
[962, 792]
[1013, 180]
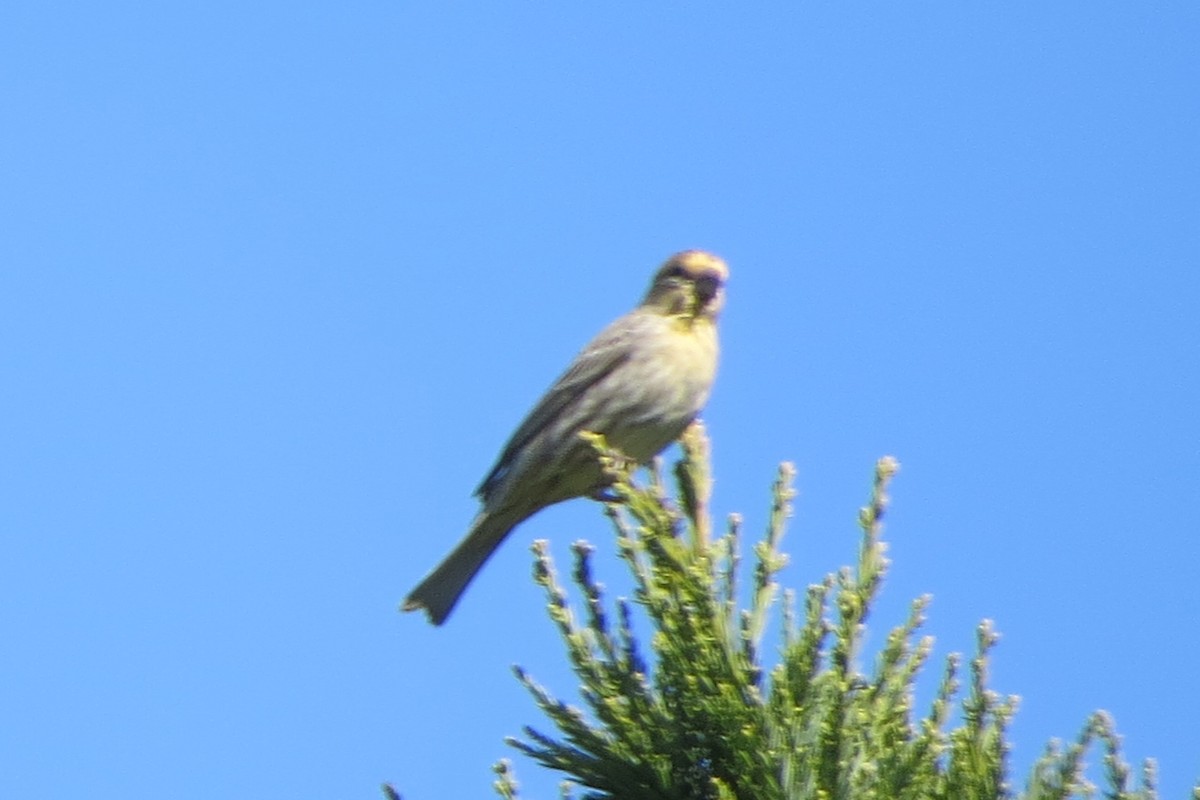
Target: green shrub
[696, 715]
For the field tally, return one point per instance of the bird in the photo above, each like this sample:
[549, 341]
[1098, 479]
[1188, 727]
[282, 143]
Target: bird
[639, 383]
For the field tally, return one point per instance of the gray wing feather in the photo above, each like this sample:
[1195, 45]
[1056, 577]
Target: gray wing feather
[604, 354]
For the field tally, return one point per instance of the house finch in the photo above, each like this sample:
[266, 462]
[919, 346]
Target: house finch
[639, 383]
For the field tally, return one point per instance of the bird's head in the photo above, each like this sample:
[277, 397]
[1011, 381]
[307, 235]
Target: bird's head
[690, 284]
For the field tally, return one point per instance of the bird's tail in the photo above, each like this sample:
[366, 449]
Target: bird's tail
[442, 588]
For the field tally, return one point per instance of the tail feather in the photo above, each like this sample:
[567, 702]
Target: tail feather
[442, 588]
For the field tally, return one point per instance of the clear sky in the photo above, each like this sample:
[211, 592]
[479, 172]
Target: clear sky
[277, 281]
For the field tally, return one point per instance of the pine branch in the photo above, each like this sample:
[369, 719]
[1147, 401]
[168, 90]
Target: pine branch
[699, 717]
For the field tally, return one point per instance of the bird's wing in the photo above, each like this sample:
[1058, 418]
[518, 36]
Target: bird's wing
[605, 353]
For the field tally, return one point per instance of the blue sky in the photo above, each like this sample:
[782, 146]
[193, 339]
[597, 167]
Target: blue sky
[277, 281]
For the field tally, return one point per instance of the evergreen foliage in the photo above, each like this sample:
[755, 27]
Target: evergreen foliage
[699, 717]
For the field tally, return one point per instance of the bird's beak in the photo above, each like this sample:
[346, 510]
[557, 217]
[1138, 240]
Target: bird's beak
[707, 287]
